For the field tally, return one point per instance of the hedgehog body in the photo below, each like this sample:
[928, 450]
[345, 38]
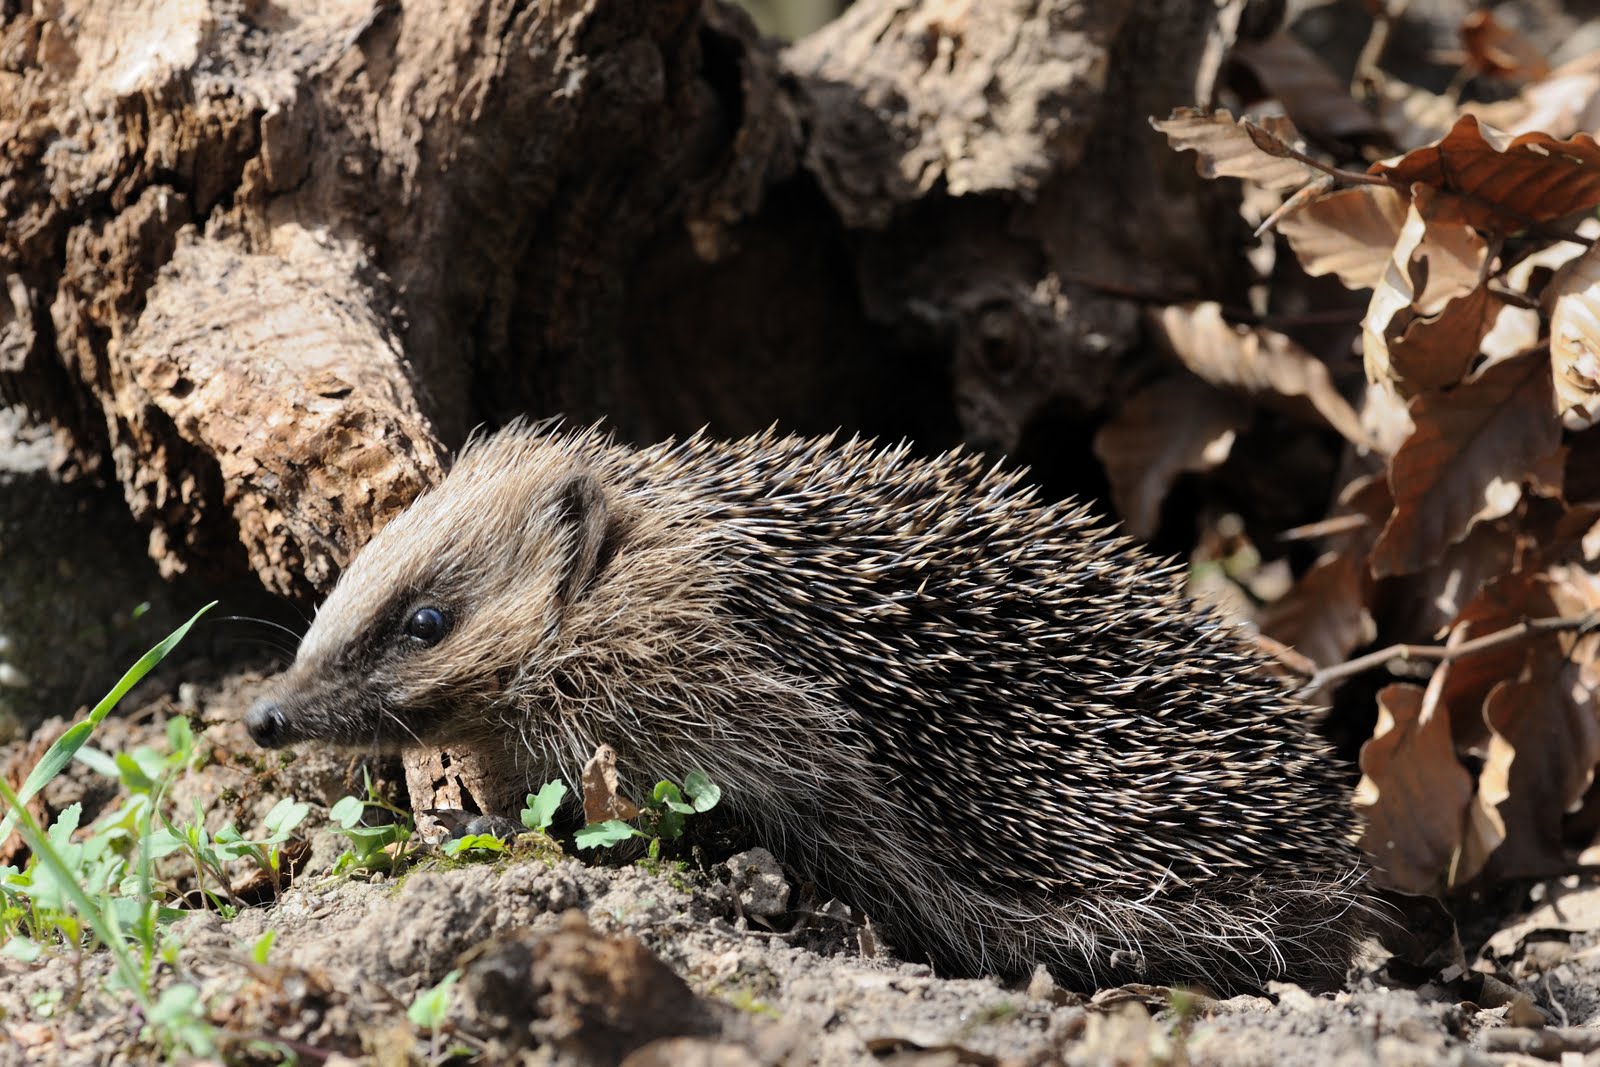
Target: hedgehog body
[988, 722]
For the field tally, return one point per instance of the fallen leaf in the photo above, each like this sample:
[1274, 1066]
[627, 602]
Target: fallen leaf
[1465, 460]
[1505, 181]
[1413, 791]
[1350, 233]
[1324, 616]
[1543, 750]
[1431, 309]
[1565, 103]
[1260, 362]
[1495, 49]
[1414, 116]
[1516, 329]
[1568, 910]
[1573, 300]
[1501, 602]
[1386, 417]
[1316, 99]
[1177, 425]
[1432, 600]
[601, 800]
[1254, 149]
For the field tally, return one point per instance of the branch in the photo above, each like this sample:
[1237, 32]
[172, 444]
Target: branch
[1582, 624]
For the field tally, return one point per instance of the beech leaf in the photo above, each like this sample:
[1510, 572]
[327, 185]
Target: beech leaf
[1413, 790]
[1468, 451]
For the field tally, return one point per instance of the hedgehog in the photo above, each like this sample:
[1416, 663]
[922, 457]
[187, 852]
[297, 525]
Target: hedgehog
[987, 721]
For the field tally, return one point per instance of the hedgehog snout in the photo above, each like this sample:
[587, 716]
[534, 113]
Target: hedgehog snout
[268, 725]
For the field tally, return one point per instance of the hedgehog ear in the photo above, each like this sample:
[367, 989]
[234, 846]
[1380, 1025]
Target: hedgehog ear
[580, 508]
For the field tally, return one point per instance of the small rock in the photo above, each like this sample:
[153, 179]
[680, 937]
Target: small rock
[593, 998]
[759, 881]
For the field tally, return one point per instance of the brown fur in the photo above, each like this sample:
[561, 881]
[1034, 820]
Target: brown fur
[986, 721]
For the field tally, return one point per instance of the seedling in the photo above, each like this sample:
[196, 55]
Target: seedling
[660, 820]
[432, 1005]
[378, 847]
[541, 809]
[487, 844]
[98, 886]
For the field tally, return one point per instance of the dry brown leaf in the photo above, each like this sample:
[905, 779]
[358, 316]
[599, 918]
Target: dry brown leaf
[1495, 49]
[1516, 329]
[1501, 602]
[1543, 750]
[601, 800]
[1573, 300]
[1414, 116]
[1429, 602]
[1505, 181]
[1531, 274]
[1386, 417]
[1368, 496]
[1260, 362]
[1465, 460]
[1253, 149]
[1349, 233]
[1324, 617]
[1413, 791]
[1316, 99]
[1430, 312]
[1576, 592]
[1566, 910]
[1565, 103]
[1483, 832]
[1177, 425]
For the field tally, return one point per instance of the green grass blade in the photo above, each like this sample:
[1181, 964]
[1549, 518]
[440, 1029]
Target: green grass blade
[61, 752]
[105, 928]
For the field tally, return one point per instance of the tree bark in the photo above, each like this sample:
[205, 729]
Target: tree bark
[262, 260]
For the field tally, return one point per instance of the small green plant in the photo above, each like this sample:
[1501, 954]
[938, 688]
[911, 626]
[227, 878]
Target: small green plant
[482, 844]
[370, 846]
[208, 852]
[98, 888]
[429, 1009]
[537, 815]
[178, 1020]
[263, 947]
[660, 820]
[748, 1002]
[541, 809]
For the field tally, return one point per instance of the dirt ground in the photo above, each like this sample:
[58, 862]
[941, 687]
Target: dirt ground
[563, 961]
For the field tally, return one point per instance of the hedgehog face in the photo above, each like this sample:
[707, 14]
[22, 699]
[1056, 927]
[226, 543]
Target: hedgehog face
[438, 614]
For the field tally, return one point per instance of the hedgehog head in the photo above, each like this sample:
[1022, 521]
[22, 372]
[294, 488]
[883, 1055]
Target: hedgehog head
[439, 613]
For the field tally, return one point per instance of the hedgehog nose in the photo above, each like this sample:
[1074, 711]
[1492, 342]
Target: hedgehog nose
[266, 723]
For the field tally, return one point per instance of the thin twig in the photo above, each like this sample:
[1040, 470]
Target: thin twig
[1442, 654]
[1367, 70]
[1303, 195]
[1339, 174]
[1337, 524]
[1514, 297]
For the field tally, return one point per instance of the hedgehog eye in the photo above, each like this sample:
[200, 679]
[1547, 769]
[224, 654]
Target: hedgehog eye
[427, 626]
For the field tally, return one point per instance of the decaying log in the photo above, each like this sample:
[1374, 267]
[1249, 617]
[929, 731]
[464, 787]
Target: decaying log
[265, 258]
